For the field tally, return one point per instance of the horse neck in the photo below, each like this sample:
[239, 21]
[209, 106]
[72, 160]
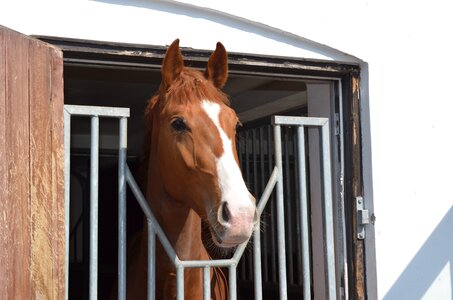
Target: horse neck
[181, 224]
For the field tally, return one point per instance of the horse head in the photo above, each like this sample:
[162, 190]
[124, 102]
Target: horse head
[193, 128]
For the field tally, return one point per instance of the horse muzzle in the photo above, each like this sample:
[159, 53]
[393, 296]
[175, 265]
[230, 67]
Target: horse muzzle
[234, 223]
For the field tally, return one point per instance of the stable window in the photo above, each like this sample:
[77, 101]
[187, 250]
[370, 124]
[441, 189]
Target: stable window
[259, 87]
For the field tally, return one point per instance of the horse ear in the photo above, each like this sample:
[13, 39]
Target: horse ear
[217, 69]
[173, 64]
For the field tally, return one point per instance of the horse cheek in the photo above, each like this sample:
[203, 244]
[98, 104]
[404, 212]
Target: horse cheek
[186, 155]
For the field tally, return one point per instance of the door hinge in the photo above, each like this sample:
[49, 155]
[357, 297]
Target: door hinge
[363, 218]
[337, 124]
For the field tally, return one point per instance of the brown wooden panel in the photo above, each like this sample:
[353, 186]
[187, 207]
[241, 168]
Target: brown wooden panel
[41, 170]
[32, 235]
[17, 156]
[58, 221]
[5, 233]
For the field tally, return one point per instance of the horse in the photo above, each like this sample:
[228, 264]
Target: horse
[193, 176]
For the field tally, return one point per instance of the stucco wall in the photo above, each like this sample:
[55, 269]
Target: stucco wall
[408, 46]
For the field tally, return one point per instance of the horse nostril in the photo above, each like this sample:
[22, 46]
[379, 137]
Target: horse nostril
[225, 212]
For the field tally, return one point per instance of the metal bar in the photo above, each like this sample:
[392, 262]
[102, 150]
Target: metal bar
[100, 111]
[303, 213]
[250, 258]
[179, 283]
[342, 205]
[151, 284]
[257, 263]
[328, 214]
[272, 216]
[207, 283]
[280, 216]
[262, 170]
[207, 263]
[67, 197]
[122, 155]
[297, 121]
[94, 187]
[232, 282]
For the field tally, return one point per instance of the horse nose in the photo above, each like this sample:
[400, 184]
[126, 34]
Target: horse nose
[224, 215]
[237, 221]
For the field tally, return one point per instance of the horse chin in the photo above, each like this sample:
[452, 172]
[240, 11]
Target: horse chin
[219, 242]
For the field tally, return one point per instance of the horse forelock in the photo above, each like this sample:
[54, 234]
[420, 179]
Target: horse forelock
[191, 87]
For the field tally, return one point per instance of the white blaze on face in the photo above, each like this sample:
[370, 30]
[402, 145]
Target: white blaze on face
[232, 186]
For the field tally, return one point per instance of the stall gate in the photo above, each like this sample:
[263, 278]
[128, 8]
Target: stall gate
[248, 149]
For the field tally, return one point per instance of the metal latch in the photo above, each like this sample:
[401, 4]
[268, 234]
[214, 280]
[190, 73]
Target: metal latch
[363, 218]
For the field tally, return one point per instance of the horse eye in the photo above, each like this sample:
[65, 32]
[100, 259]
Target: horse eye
[179, 125]
[238, 126]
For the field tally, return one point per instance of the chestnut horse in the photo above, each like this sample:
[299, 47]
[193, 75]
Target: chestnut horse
[193, 175]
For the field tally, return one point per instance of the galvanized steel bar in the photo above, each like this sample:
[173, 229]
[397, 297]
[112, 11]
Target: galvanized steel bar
[280, 216]
[297, 121]
[303, 214]
[263, 182]
[151, 278]
[102, 111]
[257, 263]
[122, 155]
[328, 214]
[94, 187]
[232, 281]
[207, 283]
[272, 216]
[179, 283]
[67, 197]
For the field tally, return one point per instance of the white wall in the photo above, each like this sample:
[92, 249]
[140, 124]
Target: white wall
[409, 47]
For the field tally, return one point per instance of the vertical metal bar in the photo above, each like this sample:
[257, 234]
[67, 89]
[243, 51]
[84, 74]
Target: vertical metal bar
[67, 185]
[342, 205]
[179, 282]
[232, 281]
[207, 283]
[257, 263]
[303, 213]
[263, 185]
[272, 217]
[151, 284]
[249, 254]
[122, 154]
[94, 187]
[328, 214]
[280, 216]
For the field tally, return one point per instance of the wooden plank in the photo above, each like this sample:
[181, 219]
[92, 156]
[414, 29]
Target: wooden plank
[32, 240]
[58, 208]
[40, 171]
[17, 157]
[5, 233]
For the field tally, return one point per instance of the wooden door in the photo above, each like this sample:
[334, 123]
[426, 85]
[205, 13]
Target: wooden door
[32, 235]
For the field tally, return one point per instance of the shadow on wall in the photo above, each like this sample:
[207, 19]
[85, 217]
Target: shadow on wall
[424, 269]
